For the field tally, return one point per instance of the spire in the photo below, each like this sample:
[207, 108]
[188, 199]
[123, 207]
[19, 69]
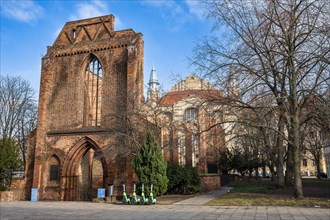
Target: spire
[233, 88]
[153, 76]
[153, 89]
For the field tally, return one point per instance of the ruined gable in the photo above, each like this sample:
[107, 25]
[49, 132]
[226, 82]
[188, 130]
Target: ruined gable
[91, 79]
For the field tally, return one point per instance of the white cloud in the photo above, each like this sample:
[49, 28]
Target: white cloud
[167, 8]
[90, 9]
[196, 8]
[119, 25]
[57, 32]
[178, 12]
[158, 4]
[24, 11]
[171, 11]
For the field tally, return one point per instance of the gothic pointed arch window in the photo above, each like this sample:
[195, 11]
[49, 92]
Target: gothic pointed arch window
[93, 93]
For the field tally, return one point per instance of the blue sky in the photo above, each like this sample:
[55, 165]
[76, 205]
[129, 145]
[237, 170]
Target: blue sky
[170, 30]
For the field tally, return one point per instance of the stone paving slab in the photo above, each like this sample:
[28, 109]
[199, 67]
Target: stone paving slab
[87, 210]
[204, 198]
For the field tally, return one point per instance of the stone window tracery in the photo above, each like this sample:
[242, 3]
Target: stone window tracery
[93, 93]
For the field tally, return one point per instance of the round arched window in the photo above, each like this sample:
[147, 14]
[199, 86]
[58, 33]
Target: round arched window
[190, 114]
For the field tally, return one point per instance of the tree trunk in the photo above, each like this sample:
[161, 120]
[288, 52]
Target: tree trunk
[272, 172]
[317, 163]
[318, 170]
[280, 175]
[297, 175]
[294, 110]
[289, 166]
[280, 149]
[250, 174]
[273, 178]
[296, 157]
[264, 171]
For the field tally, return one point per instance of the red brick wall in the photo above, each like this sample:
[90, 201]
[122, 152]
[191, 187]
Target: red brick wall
[209, 182]
[14, 195]
[17, 191]
[52, 193]
[61, 130]
[18, 183]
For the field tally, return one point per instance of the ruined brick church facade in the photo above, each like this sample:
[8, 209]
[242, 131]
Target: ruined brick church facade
[91, 82]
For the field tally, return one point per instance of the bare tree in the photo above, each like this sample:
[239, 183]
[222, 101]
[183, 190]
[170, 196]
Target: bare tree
[314, 128]
[277, 47]
[18, 110]
[257, 129]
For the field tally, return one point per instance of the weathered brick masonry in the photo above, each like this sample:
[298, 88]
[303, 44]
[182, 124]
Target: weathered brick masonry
[81, 120]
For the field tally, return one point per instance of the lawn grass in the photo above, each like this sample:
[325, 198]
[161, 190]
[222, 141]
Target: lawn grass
[320, 181]
[265, 193]
[250, 187]
[257, 199]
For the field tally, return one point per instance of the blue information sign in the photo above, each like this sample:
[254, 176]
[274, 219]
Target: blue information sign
[34, 194]
[100, 192]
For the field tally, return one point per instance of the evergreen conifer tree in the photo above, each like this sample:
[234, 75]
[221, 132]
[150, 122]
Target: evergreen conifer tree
[9, 160]
[150, 165]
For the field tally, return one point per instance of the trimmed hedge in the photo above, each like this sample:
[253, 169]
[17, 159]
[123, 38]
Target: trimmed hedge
[182, 179]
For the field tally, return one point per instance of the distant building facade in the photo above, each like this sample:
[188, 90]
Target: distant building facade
[190, 118]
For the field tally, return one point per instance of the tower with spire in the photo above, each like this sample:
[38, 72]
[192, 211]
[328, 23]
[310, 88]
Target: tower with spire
[233, 87]
[153, 93]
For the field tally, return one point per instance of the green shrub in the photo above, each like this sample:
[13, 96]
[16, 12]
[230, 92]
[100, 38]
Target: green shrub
[150, 165]
[9, 160]
[182, 179]
[3, 187]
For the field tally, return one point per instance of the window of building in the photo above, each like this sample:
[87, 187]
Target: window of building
[93, 93]
[54, 172]
[305, 162]
[182, 150]
[190, 114]
[212, 168]
[195, 150]
[54, 168]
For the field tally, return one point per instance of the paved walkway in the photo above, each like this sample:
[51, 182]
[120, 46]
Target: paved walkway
[87, 210]
[193, 208]
[204, 198]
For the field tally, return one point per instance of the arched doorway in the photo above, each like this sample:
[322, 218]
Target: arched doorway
[84, 171]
